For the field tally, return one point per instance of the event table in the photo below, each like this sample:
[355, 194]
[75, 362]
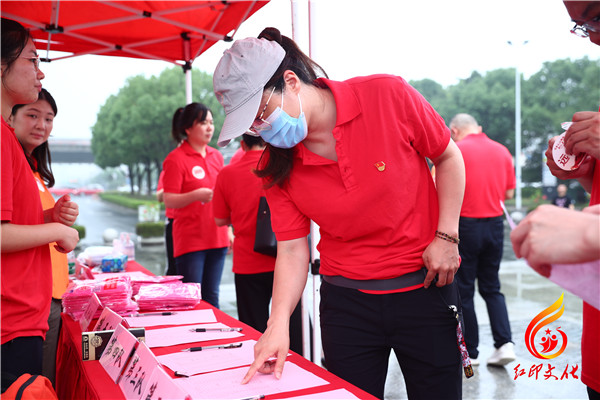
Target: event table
[78, 379]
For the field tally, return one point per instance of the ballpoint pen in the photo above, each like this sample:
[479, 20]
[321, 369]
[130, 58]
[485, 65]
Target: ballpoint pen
[222, 346]
[259, 397]
[152, 314]
[216, 329]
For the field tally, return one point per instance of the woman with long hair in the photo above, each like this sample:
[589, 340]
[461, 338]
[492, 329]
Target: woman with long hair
[26, 229]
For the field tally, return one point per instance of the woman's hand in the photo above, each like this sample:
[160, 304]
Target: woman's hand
[553, 235]
[583, 136]
[442, 260]
[65, 211]
[584, 169]
[203, 194]
[270, 351]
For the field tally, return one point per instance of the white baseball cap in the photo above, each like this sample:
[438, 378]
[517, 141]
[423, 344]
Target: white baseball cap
[239, 80]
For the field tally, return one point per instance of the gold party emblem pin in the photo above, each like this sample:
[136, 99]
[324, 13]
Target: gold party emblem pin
[380, 165]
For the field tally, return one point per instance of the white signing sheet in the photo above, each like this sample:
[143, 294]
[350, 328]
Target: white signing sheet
[177, 318]
[227, 384]
[183, 334]
[209, 360]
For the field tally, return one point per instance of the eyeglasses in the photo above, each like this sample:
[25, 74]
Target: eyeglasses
[35, 61]
[259, 123]
[583, 30]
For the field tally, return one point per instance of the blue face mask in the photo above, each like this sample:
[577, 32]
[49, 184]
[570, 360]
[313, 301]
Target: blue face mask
[286, 131]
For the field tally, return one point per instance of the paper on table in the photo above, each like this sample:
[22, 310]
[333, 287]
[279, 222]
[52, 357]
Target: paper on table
[179, 318]
[161, 386]
[181, 334]
[197, 362]
[583, 280]
[332, 394]
[226, 384]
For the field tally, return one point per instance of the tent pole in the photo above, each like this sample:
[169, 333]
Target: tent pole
[315, 233]
[188, 85]
[187, 67]
[297, 36]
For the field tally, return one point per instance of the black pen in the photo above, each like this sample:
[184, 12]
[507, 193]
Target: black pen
[259, 397]
[152, 314]
[216, 329]
[219, 346]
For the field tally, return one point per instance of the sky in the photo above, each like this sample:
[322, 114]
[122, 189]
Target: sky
[443, 40]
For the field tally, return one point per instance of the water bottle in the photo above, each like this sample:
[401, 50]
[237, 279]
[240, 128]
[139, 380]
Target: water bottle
[127, 246]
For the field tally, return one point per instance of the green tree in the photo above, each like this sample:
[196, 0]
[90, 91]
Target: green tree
[548, 98]
[133, 127]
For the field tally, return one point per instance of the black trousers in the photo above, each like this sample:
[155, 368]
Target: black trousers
[169, 246]
[253, 293]
[359, 330]
[20, 356]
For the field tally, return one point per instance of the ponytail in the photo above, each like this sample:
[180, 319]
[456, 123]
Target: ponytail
[185, 117]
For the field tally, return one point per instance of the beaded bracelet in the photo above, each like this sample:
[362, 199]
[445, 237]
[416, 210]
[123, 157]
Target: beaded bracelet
[447, 237]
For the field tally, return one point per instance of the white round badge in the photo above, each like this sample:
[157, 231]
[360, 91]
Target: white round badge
[198, 172]
[565, 161]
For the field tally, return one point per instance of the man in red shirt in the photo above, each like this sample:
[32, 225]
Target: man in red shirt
[490, 179]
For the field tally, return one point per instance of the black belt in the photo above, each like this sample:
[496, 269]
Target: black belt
[400, 282]
[482, 219]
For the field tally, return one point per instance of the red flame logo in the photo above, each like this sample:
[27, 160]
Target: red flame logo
[550, 341]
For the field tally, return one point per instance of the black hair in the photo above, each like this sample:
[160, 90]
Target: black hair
[252, 141]
[40, 159]
[186, 117]
[14, 39]
[278, 166]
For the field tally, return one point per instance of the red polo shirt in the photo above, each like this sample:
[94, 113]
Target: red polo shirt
[489, 174]
[26, 275]
[169, 212]
[237, 194]
[376, 207]
[194, 227]
[590, 343]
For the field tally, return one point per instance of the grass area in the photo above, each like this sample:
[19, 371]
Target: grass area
[130, 201]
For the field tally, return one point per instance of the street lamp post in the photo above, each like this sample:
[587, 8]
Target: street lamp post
[518, 130]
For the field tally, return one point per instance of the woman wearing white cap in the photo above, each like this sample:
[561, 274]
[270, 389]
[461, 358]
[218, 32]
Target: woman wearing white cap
[351, 157]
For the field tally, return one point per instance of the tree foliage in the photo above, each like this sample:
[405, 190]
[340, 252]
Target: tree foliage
[133, 127]
[549, 97]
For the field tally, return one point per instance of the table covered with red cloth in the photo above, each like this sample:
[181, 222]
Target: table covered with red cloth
[78, 379]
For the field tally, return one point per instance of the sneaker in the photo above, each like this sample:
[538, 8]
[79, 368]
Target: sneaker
[474, 362]
[503, 355]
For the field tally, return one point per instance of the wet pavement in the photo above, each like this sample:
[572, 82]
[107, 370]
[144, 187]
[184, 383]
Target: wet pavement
[527, 294]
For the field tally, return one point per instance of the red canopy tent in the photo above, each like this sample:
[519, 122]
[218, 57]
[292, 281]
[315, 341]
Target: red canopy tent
[172, 31]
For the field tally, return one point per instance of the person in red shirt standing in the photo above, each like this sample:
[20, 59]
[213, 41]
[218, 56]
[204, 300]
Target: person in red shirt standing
[191, 170]
[481, 229]
[235, 202]
[583, 136]
[350, 156]
[26, 228]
